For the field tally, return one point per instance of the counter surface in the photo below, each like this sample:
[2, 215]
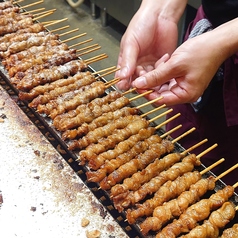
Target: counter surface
[40, 194]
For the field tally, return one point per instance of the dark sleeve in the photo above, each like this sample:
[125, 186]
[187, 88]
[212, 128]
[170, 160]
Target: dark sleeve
[220, 11]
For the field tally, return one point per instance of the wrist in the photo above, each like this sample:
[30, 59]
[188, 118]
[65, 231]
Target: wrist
[171, 10]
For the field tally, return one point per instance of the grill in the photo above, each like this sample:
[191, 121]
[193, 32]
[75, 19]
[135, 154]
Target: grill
[44, 123]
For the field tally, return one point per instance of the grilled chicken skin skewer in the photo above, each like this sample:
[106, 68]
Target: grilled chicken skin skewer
[13, 27]
[99, 121]
[231, 232]
[49, 75]
[123, 153]
[186, 165]
[217, 220]
[39, 91]
[52, 59]
[35, 28]
[91, 152]
[195, 213]
[134, 182]
[138, 163]
[51, 45]
[100, 105]
[165, 212]
[169, 190]
[79, 81]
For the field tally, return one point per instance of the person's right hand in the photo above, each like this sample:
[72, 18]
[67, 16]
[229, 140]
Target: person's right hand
[148, 37]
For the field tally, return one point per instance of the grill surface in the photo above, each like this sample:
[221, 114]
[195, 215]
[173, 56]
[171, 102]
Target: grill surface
[44, 124]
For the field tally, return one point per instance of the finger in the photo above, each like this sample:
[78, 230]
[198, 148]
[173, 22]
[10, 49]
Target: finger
[162, 74]
[127, 60]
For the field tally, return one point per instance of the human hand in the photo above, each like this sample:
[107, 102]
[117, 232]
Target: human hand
[184, 77]
[148, 37]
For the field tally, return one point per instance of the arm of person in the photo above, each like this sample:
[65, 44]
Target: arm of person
[151, 33]
[186, 74]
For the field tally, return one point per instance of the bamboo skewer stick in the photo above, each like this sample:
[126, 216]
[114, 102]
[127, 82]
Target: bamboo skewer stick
[207, 150]
[194, 147]
[150, 102]
[140, 95]
[16, 2]
[168, 120]
[50, 23]
[153, 110]
[161, 115]
[112, 82]
[60, 28]
[96, 58]
[87, 47]
[183, 135]
[32, 11]
[227, 171]
[32, 4]
[107, 73]
[74, 37]
[80, 43]
[44, 15]
[128, 91]
[170, 131]
[68, 32]
[212, 166]
[89, 51]
[235, 185]
[103, 70]
[45, 12]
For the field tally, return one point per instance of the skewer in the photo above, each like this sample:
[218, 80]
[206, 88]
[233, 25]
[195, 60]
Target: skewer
[60, 28]
[80, 43]
[227, 171]
[74, 37]
[153, 110]
[107, 73]
[235, 185]
[194, 147]
[112, 82]
[96, 58]
[168, 120]
[87, 47]
[89, 51]
[16, 2]
[141, 95]
[150, 102]
[212, 166]
[170, 131]
[161, 115]
[207, 150]
[128, 91]
[44, 15]
[68, 32]
[183, 135]
[32, 11]
[103, 70]
[46, 24]
[40, 13]
[32, 4]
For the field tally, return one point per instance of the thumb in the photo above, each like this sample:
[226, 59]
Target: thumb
[127, 61]
[160, 75]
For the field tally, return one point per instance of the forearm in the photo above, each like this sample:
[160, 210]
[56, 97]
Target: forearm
[226, 38]
[168, 9]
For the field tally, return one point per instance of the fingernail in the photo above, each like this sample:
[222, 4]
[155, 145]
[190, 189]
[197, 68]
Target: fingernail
[124, 72]
[140, 82]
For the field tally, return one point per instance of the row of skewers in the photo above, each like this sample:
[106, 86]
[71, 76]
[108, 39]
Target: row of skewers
[157, 187]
